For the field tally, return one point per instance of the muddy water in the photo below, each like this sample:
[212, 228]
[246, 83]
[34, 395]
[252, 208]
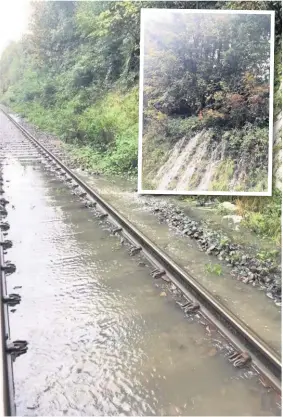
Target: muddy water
[104, 339]
[247, 302]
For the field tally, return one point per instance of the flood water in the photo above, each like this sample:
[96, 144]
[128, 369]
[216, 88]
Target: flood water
[104, 338]
[247, 302]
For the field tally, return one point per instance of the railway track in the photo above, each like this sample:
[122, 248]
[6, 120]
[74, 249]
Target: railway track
[7, 406]
[247, 348]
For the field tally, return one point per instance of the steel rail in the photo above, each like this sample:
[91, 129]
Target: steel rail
[7, 404]
[265, 359]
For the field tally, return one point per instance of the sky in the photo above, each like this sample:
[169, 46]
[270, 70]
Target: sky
[13, 20]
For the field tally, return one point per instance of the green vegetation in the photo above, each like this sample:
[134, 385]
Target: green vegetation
[263, 214]
[264, 224]
[76, 75]
[205, 65]
[268, 255]
[236, 257]
[224, 241]
[223, 175]
[214, 269]
[158, 150]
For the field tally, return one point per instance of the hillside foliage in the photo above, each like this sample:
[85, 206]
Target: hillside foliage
[207, 72]
[80, 61]
[213, 65]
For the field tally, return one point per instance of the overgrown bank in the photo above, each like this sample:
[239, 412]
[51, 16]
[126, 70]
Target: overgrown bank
[205, 159]
[206, 97]
[103, 136]
[76, 75]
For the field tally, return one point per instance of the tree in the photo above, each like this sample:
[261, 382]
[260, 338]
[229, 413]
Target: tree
[194, 62]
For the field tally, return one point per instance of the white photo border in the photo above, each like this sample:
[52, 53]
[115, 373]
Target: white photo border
[268, 193]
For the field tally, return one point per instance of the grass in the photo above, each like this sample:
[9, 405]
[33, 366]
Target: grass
[85, 156]
[222, 210]
[223, 175]
[224, 241]
[214, 269]
[104, 137]
[177, 128]
[262, 215]
[278, 80]
[236, 257]
[155, 154]
[147, 184]
[194, 181]
[268, 255]
[263, 225]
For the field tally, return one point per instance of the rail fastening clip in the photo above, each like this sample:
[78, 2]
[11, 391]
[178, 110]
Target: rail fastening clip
[17, 348]
[3, 201]
[4, 226]
[8, 268]
[12, 299]
[6, 244]
[3, 211]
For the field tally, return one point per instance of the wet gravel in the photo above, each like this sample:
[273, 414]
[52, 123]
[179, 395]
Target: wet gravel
[263, 274]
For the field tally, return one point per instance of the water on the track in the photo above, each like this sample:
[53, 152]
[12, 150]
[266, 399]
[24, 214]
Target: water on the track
[104, 337]
[246, 302]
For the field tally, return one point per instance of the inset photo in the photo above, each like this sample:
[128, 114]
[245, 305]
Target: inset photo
[206, 102]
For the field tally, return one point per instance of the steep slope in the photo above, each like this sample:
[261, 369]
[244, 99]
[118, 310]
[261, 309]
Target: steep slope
[199, 163]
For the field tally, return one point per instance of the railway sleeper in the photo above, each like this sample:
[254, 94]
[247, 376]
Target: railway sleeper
[240, 359]
[103, 216]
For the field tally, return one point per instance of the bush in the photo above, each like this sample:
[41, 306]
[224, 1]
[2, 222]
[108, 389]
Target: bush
[262, 214]
[213, 118]
[177, 127]
[109, 120]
